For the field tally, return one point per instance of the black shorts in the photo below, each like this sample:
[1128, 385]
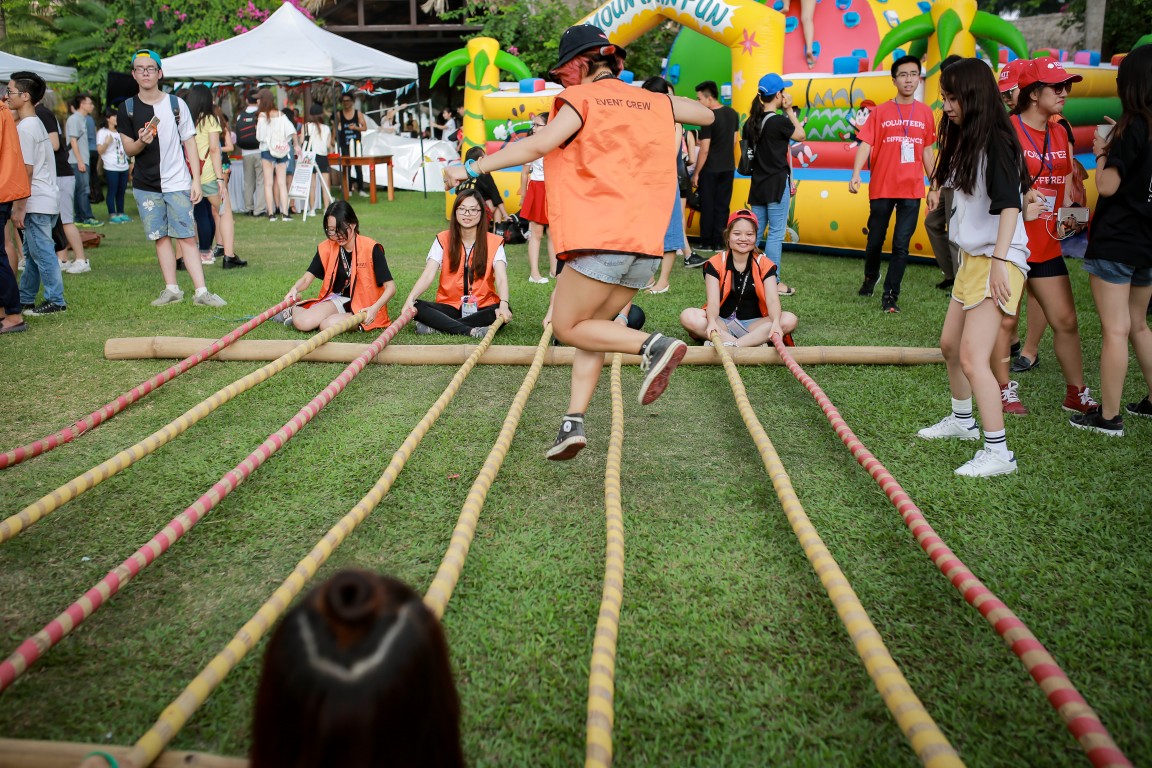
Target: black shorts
[1051, 268]
[322, 163]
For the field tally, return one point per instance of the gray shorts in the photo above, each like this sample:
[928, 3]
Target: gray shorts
[620, 269]
[65, 196]
[165, 214]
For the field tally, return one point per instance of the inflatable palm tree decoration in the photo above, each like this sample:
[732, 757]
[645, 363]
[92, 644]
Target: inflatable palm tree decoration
[481, 60]
[951, 27]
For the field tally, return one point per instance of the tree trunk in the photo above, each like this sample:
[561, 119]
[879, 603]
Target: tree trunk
[1094, 25]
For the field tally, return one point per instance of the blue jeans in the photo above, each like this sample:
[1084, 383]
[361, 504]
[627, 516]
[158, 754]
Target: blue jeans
[774, 218]
[82, 205]
[880, 213]
[117, 184]
[41, 265]
[9, 296]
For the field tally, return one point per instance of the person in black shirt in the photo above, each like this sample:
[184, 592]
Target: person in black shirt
[66, 185]
[356, 283]
[715, 166]
[486, 185]
[740, 285]
[770, 193]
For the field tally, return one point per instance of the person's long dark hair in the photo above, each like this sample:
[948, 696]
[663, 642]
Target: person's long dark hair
[1134, 87]
[345, 217]
[755, 119]
[357, 676]
[264, 102]
[200, 104]
[479, 259]
[984, 122]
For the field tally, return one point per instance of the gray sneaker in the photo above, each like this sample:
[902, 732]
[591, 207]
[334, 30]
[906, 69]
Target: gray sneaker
[479, 332]
[570, 441]
[168, 296]
[424, 330]
[283, 317]
[209, 299]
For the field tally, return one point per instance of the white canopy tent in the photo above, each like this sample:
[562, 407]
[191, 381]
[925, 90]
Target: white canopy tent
[50, 72]
[287, 46]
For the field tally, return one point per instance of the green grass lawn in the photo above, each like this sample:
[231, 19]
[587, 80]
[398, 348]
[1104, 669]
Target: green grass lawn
[730, 653]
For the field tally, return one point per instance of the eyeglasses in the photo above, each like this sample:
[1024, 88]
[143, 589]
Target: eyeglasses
[145, 70]
[469, 211]
[12, 91]
[1059, 88]
[908, 76]
[537, 126]
[336, 234]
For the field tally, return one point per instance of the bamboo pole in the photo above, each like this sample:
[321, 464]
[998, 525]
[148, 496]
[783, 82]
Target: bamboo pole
[25, 753]
[144, 347]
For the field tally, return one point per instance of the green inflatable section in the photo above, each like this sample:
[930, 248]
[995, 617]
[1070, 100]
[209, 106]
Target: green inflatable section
[700, 58]
[1091, 111]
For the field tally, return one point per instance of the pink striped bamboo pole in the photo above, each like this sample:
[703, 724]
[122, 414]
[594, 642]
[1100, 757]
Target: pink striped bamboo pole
[1078, 716]
[91, 421]
[38, 644]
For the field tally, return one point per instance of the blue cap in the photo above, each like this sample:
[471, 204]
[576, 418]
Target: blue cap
[772, 84]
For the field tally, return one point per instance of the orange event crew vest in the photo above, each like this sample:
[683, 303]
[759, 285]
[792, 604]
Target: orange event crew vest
[610, 189]
[14, 184]
[364, 290]
[761, 265]
[451, 290]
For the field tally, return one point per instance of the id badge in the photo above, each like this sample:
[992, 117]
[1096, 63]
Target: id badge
[907, 151]
[1049, 202]
[467, 306]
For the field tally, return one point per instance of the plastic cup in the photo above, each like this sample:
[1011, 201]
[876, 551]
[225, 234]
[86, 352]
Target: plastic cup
[1104, 131]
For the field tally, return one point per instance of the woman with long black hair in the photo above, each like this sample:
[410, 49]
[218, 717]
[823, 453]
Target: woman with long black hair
[981, 160]
[473, 274]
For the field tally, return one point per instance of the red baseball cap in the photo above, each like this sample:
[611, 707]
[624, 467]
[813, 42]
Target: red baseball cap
[1046, 70]
[745, 214]
[1010, 74]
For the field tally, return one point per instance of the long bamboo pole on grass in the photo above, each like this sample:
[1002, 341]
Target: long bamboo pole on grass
[22, 753]
[146, 347]
[927, 740]
[12, 526]
[91, 601]
[95, 419]
[176, 714]
[1080, 719]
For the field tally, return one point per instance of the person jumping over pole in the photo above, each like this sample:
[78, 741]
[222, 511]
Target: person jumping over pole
[604, 152]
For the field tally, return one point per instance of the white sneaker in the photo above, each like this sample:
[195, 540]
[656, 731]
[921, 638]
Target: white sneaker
[209, 299]
[949, 427]
[538, 280]
[168, 296]
[79, 267]
[987, 464]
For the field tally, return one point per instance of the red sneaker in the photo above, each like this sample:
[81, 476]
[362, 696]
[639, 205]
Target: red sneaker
[1011, 400]
[1079, 400]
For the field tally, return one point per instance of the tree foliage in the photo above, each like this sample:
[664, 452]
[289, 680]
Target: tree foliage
[1125, 21]
[530, 30]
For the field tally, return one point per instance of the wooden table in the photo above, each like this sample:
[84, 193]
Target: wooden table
[371, 161]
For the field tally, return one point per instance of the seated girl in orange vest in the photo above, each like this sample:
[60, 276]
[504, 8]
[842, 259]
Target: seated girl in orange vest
[473, 270]
[354, 273]
[740, 285]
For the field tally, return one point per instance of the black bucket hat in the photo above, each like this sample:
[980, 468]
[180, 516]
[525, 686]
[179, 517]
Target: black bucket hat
[581, 38]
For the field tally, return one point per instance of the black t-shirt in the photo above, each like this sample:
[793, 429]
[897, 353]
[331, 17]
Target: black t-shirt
[742, 298]
[486, 186]
[1122, 227]
[1002, 178]
[342, 281]
[770, 164]
[52, 125]
[346, 133]
[722, 132]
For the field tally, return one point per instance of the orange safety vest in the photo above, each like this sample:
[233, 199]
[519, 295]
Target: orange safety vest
[761, 266]
[364, 290]
[14, 184]
[451, 290]
[610, 188]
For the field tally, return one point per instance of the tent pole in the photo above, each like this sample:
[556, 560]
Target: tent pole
[423, 165]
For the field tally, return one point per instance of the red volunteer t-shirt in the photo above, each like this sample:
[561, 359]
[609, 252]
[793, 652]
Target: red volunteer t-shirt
[888, 127]
[1049, 168]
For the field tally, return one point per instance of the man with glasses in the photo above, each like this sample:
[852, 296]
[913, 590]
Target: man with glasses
[156, 128]
[37, 213]
[899, 135]
[14, 185]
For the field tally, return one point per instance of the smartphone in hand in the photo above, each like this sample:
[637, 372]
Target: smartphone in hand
[153, 124]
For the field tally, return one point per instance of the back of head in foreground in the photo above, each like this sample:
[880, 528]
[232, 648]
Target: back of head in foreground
[357, 676]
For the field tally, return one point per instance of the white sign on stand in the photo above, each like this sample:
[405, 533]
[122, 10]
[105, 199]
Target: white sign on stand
[302, 182]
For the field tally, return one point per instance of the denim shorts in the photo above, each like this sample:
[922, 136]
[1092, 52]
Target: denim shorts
[621, 269]
[1115, 273]
[165, 214]
[266, 155]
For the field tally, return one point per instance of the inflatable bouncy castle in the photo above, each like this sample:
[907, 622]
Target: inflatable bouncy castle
[735, 42]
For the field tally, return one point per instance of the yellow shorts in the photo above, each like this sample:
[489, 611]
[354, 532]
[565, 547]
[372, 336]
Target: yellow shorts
[973, 283]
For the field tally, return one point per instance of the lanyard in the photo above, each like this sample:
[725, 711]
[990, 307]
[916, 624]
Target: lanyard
[467, 269]
[900, 112]
[745, 275]
[344, 262]
[1044, 161]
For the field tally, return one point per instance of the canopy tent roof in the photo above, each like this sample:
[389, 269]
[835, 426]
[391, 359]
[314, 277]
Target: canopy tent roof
[287, 46]
[50, 72]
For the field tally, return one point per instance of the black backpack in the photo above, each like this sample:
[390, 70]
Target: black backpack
[245, 126]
